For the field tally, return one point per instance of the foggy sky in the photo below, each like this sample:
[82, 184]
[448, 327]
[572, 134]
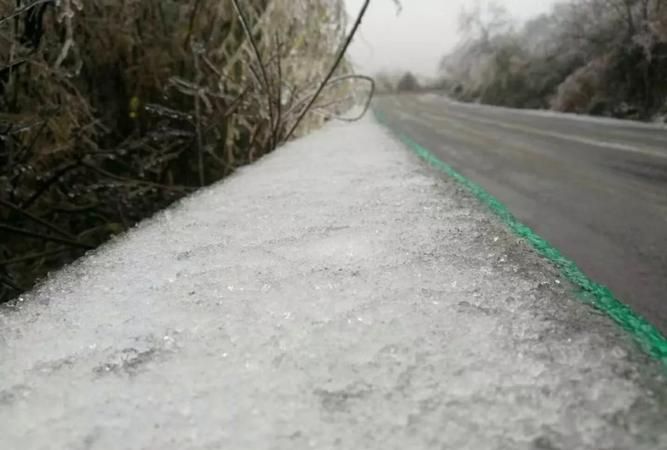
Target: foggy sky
[418, 37]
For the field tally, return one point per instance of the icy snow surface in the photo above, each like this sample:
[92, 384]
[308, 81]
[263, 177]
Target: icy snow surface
[337, 294]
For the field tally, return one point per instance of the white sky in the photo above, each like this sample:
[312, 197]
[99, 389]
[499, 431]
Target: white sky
[418, 37]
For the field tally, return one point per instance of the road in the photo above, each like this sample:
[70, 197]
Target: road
[596, 189]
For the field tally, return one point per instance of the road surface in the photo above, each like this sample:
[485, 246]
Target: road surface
[596, 189]
[334, 295]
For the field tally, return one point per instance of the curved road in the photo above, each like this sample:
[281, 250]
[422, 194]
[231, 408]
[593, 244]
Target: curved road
[596, 189]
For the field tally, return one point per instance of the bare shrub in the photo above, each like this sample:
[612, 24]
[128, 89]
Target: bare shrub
[580, 90]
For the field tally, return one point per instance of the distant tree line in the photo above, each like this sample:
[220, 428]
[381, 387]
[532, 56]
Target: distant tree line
[601, 57]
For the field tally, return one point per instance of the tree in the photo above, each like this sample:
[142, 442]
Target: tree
[483, 22]
[386, 82]
[408, 83]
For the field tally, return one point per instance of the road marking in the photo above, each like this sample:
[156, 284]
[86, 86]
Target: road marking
[599, 296]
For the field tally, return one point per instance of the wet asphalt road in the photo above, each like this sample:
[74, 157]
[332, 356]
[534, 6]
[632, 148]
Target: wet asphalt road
[596, 189]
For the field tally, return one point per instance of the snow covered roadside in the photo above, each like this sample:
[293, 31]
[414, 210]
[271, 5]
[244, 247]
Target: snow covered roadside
[337, 294]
